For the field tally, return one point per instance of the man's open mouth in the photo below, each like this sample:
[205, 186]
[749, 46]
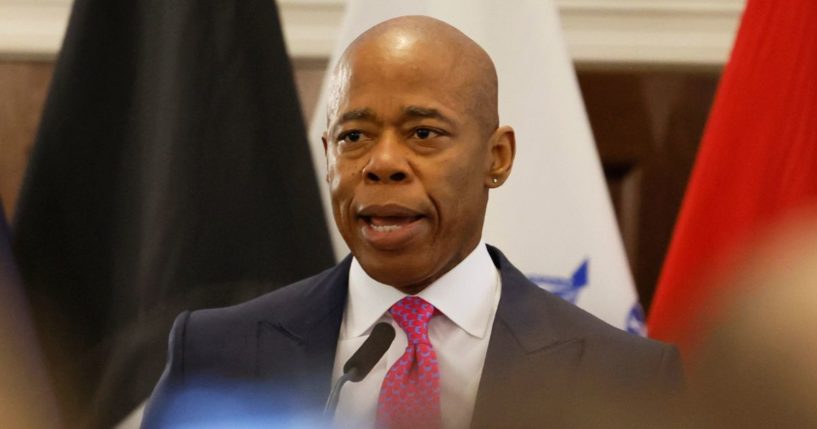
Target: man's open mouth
[389, 223]
[390, 226]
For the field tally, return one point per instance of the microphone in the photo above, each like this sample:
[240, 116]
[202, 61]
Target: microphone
[361, 363]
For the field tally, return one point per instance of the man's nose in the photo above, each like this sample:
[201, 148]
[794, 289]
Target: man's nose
[387, 162]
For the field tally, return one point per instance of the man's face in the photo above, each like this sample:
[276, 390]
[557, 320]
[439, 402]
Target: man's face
[407, 164]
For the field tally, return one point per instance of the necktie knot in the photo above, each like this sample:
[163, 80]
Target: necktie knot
[412, 314]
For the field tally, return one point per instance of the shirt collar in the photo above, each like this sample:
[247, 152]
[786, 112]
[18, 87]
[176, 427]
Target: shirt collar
[465, 295]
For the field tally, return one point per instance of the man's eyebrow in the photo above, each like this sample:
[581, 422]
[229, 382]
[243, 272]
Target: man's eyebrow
[426, 112]
[357, 114]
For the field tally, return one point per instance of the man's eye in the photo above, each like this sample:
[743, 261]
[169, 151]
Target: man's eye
[424, 133]
[351, 136]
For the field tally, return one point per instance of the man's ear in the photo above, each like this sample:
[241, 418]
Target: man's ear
[502, 151]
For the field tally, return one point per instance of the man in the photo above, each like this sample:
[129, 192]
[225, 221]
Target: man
[413, 148]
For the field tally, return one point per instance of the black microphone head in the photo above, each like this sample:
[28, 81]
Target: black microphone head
[362, 362]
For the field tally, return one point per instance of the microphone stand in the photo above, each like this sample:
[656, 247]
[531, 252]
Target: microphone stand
[334, 395]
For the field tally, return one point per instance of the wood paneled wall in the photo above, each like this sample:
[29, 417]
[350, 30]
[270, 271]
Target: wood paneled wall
[23, 85]
[647, 125]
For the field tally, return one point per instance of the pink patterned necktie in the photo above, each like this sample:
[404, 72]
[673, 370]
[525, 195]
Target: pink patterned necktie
[410, 394]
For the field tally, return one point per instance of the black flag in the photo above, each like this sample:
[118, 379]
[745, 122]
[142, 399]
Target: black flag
[171, 171]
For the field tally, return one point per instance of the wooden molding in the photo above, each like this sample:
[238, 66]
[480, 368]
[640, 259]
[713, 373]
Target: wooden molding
[694, 32]
[606, 32]
[32, 28]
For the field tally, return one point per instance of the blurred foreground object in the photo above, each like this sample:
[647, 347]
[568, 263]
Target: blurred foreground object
[170, 171]
[757, 162]
[758, 367]
[26, 399]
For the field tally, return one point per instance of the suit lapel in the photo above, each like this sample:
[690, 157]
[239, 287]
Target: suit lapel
[296, 346]
[530, 364]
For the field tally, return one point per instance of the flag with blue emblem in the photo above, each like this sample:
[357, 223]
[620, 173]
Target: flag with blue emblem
[553, 217]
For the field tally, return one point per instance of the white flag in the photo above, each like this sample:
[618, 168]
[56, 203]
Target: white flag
[553, 217]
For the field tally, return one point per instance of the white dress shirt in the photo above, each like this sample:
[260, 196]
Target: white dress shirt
[467, 298]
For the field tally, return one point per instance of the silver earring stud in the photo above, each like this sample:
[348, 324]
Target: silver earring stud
[494, 180]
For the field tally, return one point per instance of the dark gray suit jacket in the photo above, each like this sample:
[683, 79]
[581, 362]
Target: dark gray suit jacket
[546, 359]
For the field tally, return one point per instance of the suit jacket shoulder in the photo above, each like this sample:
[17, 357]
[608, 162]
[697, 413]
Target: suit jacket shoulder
[265, 357]
[214, 338]
[548, 358]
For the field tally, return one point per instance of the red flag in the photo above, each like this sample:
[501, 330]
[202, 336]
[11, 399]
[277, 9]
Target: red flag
[756, 164]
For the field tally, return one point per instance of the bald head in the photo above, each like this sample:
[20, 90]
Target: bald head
[421, 45]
